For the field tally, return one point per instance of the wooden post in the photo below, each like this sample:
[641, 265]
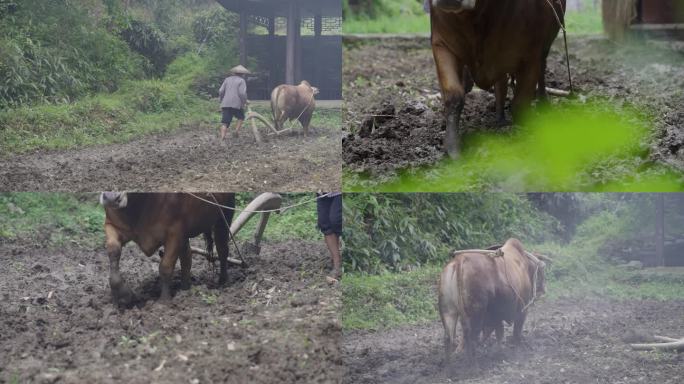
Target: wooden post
[659, 259]
[243, 38]
[272, 47]
[291, 45]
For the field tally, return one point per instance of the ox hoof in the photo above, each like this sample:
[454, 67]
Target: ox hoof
[453, 153]
[185, 285]
[124, 297]
[503, 123]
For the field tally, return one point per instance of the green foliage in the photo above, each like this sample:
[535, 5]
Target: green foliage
[55, 51]
[390, 299]
[407, 16]
[397, 232]
[51, 219]
[579, 269]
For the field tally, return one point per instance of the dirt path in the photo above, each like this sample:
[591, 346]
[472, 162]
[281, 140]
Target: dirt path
[189, 159]
[569, 341]
[394, 118]
[275, 322]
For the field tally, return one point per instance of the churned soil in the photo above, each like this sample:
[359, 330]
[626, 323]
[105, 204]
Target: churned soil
[274, 322]
[394, 116]
[566, 341]
[189, 159]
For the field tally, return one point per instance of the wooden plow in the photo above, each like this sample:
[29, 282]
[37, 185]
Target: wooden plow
[253, 116]
[264, 204]
[665, 344]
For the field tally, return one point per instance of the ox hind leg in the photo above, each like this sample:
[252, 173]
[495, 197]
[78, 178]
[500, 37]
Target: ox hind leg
[525, 88]
[221, 239]
[176, 246]
[450, 73]
[121, 295]
[186, 266]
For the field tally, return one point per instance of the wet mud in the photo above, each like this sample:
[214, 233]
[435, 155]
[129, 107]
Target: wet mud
[566, 341]
[190, 159]
[274, 322]
[394, 111]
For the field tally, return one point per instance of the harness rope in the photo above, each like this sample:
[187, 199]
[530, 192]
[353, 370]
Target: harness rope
[282, 209]
[565, 38]
[534, 282]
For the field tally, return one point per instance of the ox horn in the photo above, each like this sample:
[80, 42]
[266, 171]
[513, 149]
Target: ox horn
[544, 258]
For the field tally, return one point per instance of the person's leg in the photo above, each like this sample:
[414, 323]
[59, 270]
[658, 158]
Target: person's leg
[240, 115]
[226, 119]
[333, 243]
[323, 208]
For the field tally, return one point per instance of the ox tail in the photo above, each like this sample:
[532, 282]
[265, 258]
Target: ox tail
[275, 108]
[209, 243]
[448, 306]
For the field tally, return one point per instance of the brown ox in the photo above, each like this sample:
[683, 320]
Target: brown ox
[170, 219]
[482, 290]
[485, 41]
[289, 102]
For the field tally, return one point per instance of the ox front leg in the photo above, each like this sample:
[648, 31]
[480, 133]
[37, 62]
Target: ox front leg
[175, 247]
[500, 92]
[518, 327]
[305, 121]
[451, 81]
[121, 295]
[186, 266]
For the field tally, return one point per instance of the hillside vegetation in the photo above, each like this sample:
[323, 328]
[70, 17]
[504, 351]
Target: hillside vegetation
[78, 72]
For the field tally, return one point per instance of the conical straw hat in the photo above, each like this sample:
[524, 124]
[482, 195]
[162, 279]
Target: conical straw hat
[240, 70]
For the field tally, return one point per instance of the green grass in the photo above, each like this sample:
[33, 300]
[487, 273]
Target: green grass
[407, 16]
[390, 299]
[297, 223]
[62, 219]
[573, 147]
[58, 219]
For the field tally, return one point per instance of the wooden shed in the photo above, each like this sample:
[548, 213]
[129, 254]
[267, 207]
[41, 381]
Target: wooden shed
[293, 40]
[656, 18]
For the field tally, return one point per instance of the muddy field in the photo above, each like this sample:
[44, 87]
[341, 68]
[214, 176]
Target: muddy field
[567, 341]
[189, 159]
[274, 322]
[394, 120]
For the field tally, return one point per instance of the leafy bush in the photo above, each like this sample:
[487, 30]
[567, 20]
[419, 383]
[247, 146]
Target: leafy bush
[403, 231]
[55, 51]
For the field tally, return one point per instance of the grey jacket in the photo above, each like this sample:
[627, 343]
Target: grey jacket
[233, 92]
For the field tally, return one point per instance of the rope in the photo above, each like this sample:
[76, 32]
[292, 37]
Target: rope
[230, 234]
[565, 38]
[534, 281]
[282, 209]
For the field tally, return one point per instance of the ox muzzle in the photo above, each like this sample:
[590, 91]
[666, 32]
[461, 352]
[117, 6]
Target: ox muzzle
[114, 199]
[454, 5]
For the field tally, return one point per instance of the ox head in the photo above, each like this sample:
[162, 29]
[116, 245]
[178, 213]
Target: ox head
[114, 199]
[541, 262]
[308, 85]
[454, 5]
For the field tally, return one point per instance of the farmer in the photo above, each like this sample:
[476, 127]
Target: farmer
[330, 223]
[233, 96]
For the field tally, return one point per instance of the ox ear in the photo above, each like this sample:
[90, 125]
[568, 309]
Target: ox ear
[315, 90]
